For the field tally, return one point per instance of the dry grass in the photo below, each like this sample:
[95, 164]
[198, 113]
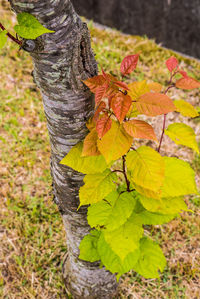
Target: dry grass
[32, 235]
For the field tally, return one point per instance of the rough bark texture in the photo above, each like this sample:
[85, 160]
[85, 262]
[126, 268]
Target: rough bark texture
[175, 23]
[61, 60]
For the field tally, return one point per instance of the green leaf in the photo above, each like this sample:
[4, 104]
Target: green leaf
[113, 211]
[146, 168]
[179, 178]
[182, 134]
[169, 205]
[185, 108]
[125, 239]
[149, 218]
[29, 27]
[112, 262]
[3, 38]
[88, 247]
[97, 187]
[151, 259]
[115, 143]
[86, 165]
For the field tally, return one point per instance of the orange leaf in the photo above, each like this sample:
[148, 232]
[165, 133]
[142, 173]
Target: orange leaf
[100, 93]
[121, 84]
[128, 64]
[187, 83]
[139, 129]
[94, 82]
[103, 125]
[171, 63]
[90, 144]
[100, 108]
[153, 103]
[154, 86]
[120, 105]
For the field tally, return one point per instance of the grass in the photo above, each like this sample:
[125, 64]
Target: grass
[32, 234]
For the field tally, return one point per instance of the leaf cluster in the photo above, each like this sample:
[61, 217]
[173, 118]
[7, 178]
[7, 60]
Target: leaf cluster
[127, 188]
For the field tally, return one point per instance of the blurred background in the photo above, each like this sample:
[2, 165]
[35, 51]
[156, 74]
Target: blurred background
[174, 23]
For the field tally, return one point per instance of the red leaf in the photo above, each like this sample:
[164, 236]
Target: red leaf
[104, 74]
[183, 73]
[94, 82]
[103, 125]
[100, 93]
[128, 64]
[100, 108]
[122, 85]
[153, 103]
[120, 105]
[187, 83]
[171, 63]
[139, 129]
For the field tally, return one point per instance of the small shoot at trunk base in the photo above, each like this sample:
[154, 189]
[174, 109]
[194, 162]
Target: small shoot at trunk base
[129, 187]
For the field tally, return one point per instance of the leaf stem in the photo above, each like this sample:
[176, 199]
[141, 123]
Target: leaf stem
[163, 131]
[11, 36]
[125, 175]
[171, 85]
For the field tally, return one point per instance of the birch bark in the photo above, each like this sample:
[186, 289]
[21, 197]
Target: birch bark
[61, 60]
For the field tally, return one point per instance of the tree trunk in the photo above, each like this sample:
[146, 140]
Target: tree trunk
[61, 60]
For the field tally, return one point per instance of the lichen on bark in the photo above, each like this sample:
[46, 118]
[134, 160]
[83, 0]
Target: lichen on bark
[61, 61]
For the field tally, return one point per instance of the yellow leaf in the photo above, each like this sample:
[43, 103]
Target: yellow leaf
[147, 168]
[137, 89]
[90, 144]
[182, 134]
[179, 178]
[185, 108]
[115, 143]
[145, 191]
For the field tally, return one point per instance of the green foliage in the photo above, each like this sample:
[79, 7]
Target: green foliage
[149, 186]
[88, 247]
[113, 211]
[97, 186]
[86, 165]
[151, 259]
[29, 27]
[3, 38]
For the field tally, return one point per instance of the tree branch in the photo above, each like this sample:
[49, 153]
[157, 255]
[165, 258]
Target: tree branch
[19, 42]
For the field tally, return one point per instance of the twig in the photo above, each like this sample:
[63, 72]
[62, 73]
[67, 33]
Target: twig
[11, 36]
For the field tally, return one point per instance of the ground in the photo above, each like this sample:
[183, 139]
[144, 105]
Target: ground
[31, 230]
